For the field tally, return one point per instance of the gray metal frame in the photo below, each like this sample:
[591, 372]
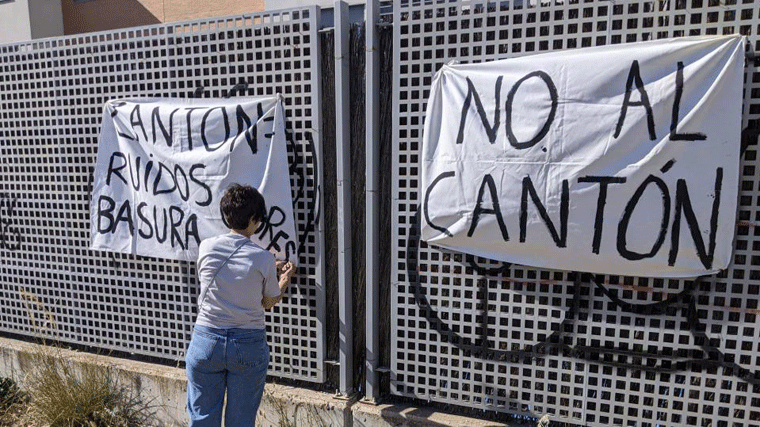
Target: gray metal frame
[51, 97]
[589, 350]
[372, 201]
[343, 178]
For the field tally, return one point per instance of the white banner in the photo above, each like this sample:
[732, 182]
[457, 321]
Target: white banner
[619, 159]
[164, 164]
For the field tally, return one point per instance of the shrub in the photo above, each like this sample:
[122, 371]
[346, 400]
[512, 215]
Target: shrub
[90, 396]
[11, 401]
[61, 395]
[9, 393]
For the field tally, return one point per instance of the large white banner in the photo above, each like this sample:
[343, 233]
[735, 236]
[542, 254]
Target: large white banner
[164, 164]
[619, 159]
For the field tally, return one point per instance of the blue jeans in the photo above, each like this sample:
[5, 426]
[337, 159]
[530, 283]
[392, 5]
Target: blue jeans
[234, 360]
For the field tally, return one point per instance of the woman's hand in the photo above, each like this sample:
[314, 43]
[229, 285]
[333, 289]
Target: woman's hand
[285, 270]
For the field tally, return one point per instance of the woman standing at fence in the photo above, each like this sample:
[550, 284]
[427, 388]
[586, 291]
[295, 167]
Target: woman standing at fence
[228, 350]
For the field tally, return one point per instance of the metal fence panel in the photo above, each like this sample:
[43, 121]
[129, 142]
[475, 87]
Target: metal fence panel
[592, 350]
[51, 97]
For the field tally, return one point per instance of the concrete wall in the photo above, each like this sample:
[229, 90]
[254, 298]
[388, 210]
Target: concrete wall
[14, 21]
[46, 18]
[165, 388]
[100, 15]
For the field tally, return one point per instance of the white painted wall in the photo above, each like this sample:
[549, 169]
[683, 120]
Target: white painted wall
[22, 20]
[14, 21]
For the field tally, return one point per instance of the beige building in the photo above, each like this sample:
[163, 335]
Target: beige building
[84, 16]
[23, 20]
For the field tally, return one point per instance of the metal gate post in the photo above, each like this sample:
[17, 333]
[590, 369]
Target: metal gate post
[372, 199]
[343, 174]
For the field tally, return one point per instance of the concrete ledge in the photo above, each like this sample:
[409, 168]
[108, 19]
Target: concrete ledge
[163, 388]
[282, 406]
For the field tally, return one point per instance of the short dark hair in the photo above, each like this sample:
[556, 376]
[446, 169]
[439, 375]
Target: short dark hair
[239, 204]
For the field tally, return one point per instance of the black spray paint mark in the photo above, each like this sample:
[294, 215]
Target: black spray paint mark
[444, 175]
[239, 88]
[749, 135]
[293, 166]
[10, 235]
[313, 214]
[486, 271]
[685, 302]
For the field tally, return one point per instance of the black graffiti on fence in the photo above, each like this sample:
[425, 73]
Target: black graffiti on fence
[238, 88]
[297, 160]
[486, 271]
[749, 135]
[685, 302]
[313, 209]
[10, 235]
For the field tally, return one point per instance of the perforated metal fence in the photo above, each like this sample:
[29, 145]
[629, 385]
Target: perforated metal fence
[51, 98]
[589, 349]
